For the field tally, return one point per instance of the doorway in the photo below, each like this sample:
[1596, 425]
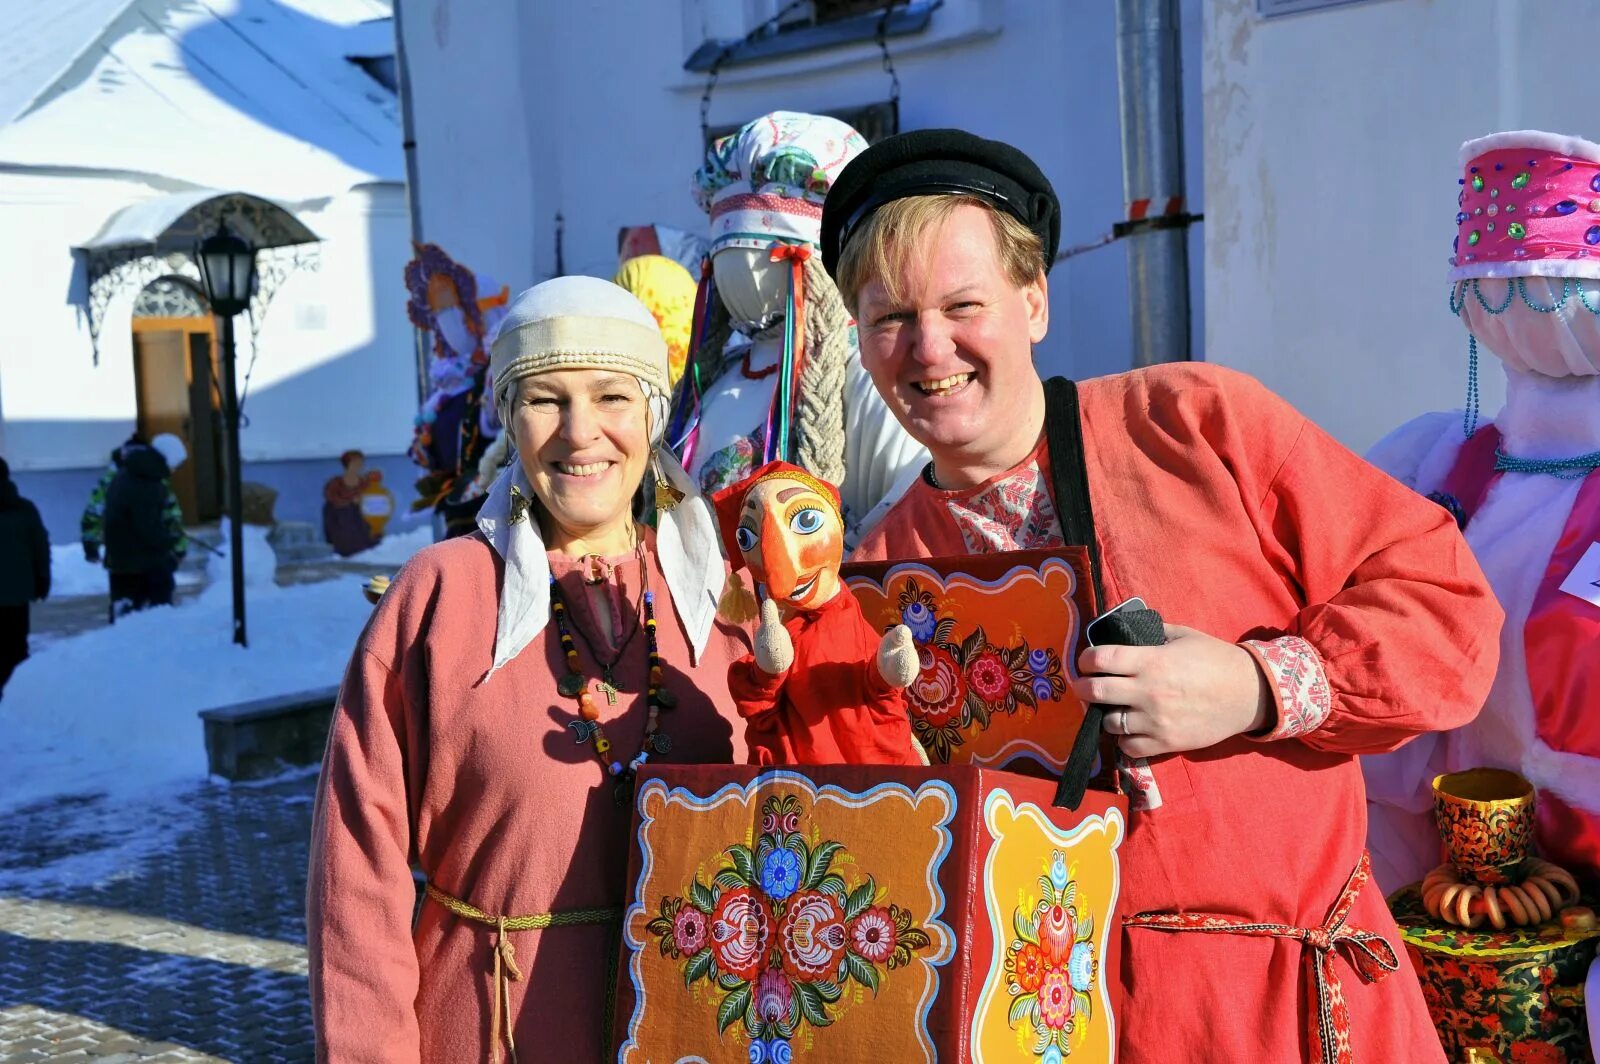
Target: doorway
[175, 378]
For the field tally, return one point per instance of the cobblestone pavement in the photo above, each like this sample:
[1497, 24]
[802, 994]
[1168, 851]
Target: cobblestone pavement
[192, 952]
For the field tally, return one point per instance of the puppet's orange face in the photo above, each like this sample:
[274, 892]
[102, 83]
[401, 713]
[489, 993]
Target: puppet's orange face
[793, 541]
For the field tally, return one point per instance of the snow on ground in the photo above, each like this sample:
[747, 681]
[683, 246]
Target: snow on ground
[396, 549]
[114, 710]
[71, 575]
[97, 724]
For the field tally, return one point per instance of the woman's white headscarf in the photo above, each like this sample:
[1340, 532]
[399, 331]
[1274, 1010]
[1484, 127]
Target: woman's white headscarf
[587, 323]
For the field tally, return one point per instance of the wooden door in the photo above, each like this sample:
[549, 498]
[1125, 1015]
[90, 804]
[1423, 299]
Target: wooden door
[205, 429]
[161, 376]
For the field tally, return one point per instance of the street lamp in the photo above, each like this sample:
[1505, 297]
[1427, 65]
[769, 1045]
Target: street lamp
[228, 271]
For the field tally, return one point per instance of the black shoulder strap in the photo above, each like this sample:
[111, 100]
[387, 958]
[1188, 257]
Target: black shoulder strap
[1069, 479]
[1069, 488]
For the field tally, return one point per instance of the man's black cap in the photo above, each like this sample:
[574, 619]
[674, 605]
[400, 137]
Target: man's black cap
[933, 161]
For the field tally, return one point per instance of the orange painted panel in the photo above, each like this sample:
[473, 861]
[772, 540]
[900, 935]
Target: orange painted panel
[869, 913]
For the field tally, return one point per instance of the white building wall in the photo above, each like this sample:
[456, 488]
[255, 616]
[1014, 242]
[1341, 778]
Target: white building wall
[524, 111]
[335, 364]
[60, 410]
[476, 152]
[1332, 144]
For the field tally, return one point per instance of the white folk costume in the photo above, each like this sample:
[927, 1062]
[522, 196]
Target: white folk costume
[1526, 283]
[777, 374]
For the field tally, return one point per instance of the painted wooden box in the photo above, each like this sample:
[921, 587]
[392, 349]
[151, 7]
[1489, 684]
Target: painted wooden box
[998, 638]
[869, 913]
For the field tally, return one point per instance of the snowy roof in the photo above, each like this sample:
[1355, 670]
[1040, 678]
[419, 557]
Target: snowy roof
[253, 95]
[42, 39]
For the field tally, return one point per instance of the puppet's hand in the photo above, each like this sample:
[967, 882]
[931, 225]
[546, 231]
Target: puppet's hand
[774, 649]
[897, 657]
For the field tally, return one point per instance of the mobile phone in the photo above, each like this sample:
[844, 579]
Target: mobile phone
[1135, 603]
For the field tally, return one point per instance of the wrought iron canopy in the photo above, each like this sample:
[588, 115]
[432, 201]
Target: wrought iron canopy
[154, 237]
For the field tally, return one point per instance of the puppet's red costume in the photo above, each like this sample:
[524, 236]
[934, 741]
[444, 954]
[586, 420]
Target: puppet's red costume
[832, 704]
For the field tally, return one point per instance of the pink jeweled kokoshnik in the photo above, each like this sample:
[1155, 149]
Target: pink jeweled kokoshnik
[1528, 215]
[1529, 206]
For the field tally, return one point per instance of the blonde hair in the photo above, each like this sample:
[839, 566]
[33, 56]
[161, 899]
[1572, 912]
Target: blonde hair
[880, 248]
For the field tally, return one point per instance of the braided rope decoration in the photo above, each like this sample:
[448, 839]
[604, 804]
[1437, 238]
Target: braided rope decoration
[819, 417]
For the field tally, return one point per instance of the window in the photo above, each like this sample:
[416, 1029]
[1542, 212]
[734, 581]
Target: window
[825, 11]
[379, 68]
[792, 28]
[1269, 8]
[170, 297]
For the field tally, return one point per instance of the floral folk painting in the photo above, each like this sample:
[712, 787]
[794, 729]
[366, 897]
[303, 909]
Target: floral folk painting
[1051, 897]
[778, 920]
[996, 652]
[1517, 994]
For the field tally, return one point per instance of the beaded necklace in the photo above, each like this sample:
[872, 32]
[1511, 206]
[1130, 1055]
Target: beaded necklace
[1562, 468]
[755, 374]
[1518, 287]
[576, 685]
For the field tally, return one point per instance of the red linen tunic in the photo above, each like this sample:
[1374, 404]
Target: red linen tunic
[1231, 513]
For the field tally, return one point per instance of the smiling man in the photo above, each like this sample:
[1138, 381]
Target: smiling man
[1323, 611]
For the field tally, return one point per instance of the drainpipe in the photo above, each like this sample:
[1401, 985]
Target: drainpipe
[413, 200]
[1150, 95]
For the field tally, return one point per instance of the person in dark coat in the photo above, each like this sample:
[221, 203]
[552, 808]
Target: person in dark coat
[144, 535]
[92, 524]
[24, 571]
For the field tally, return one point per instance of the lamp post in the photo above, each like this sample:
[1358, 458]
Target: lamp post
[228, 271]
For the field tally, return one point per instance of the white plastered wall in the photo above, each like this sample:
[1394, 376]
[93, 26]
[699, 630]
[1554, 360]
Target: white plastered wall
[1331, 144]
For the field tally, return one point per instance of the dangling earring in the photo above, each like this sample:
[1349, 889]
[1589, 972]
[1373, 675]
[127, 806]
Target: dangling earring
[737, 604]
[519, 506]
[667, 494]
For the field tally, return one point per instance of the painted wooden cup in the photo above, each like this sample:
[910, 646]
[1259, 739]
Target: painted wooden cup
[1485, 817]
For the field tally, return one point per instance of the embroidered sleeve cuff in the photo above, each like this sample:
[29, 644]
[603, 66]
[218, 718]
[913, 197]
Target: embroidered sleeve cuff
[1299, 685]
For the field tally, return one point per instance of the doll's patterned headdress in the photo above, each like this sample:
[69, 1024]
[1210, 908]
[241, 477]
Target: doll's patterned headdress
[764, 187]
[766, 183]
[1526, 260]
[482, 302]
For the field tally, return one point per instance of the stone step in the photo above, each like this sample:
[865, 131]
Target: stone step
[253, 740]
[298, 542]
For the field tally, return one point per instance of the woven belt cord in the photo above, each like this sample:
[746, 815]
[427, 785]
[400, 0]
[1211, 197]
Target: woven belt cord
[1328, 1033]
[505, 955]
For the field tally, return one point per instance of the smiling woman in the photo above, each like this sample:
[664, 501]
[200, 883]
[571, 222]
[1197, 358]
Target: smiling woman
[585, 438]
[494, 749]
